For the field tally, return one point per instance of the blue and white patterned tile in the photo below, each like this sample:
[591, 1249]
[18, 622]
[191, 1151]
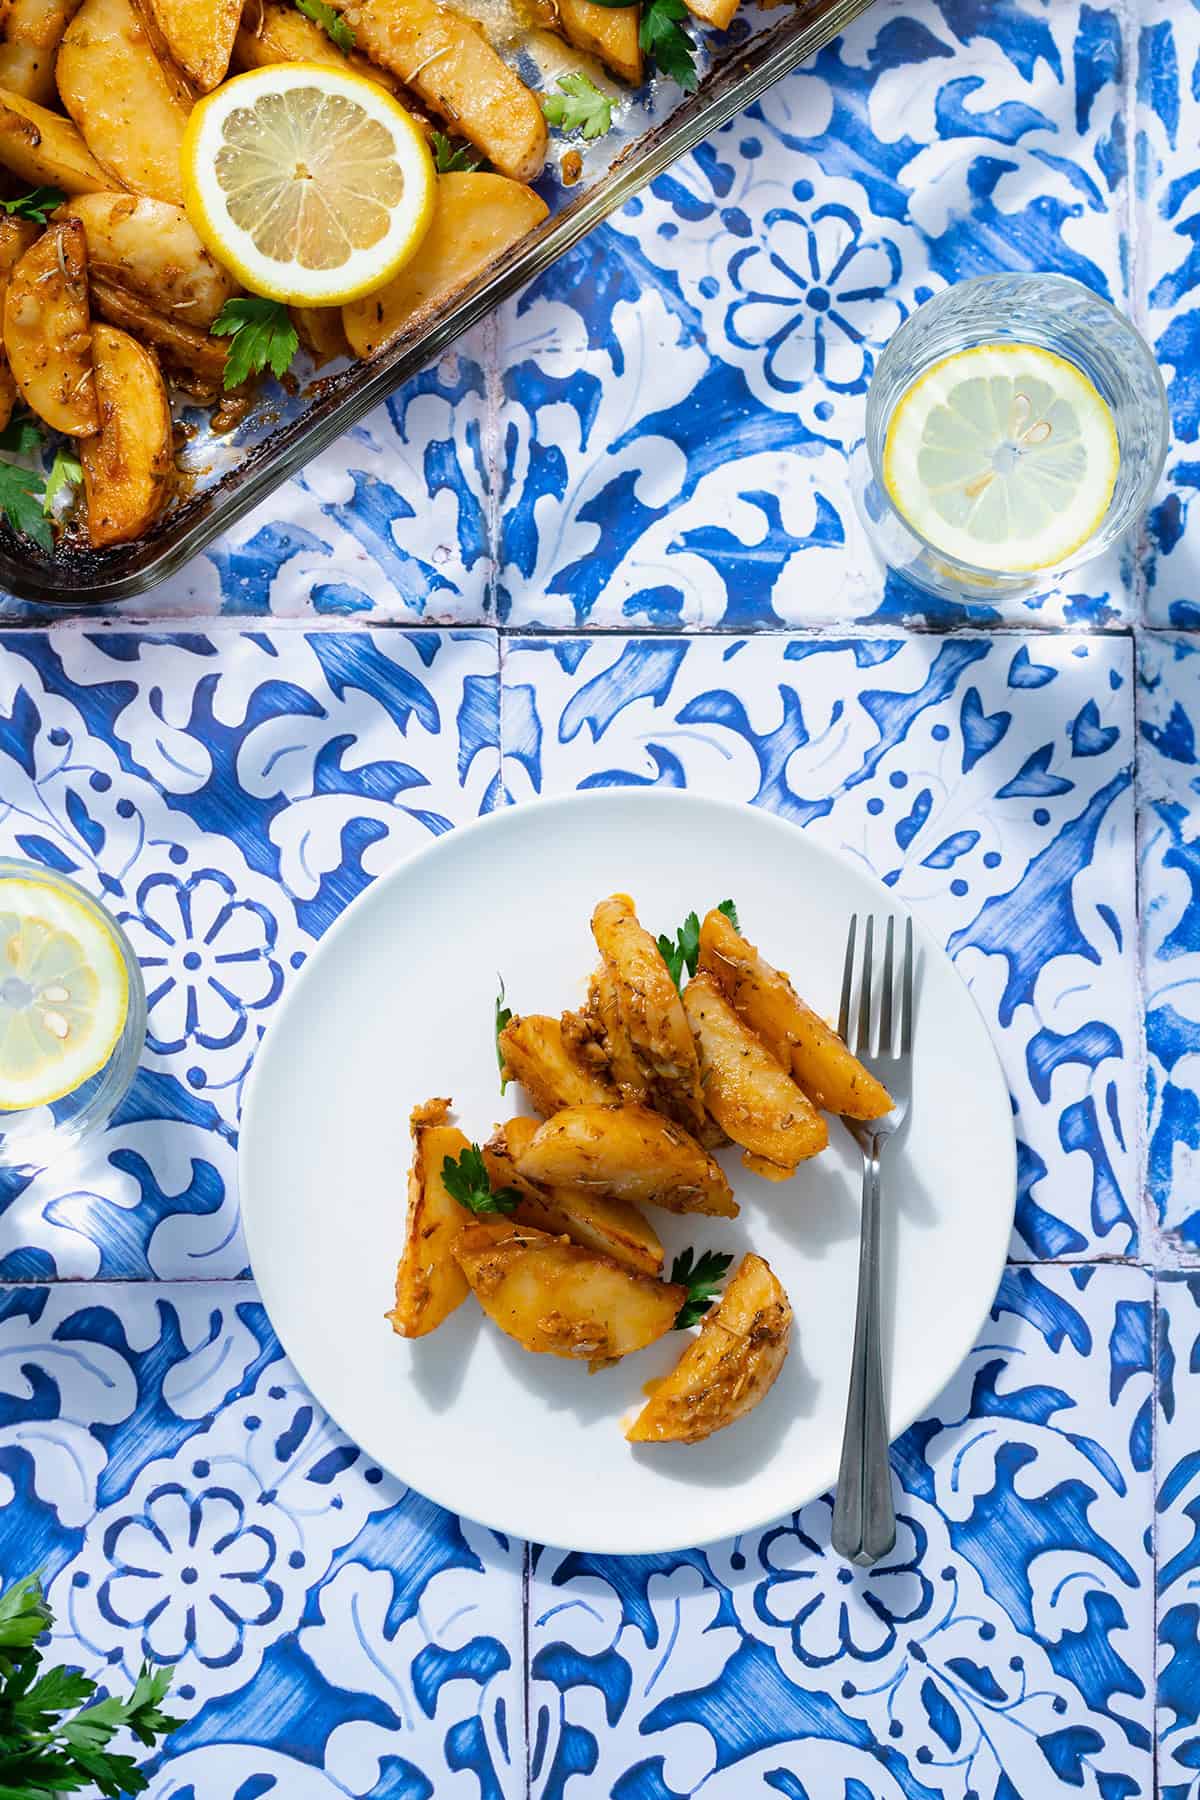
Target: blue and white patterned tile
[681, 392]
[1003, 1650]
[988, 780]
[333, 1634]
[226, 795]
[1177, 1542]
[1169, 888]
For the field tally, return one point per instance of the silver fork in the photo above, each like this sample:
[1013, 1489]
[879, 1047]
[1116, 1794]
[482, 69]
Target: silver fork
[864, 1518]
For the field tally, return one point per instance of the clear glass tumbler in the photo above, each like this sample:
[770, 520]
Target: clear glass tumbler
[1057, 314]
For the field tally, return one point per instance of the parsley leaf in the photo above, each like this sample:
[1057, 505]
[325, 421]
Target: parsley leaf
[261, 336]
[730, 911]
[66, 471]
[671, 48]
[22, 435]
[683, 950]
[334, 27]
[37, 204]
[585, 108]
[700, 1281]
[503, 1016]
[21, 492]
[467, 1182]
[452, 159]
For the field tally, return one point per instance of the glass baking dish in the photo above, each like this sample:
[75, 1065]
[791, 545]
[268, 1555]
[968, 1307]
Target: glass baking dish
[225, 475]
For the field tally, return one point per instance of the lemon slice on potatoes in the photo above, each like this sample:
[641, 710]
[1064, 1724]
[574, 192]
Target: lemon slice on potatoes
[64, 993]
[1003, 455]
[313, 186]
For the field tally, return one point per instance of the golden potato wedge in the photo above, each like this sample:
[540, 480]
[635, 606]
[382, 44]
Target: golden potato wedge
[476, 218]
[597, 1221]
[127, 105]
[127, 465]
[320, 330]
[750, 1095]
[795, 1035]
[47, 331]
[602, 1009]
[150, 246]
[717, 13]
[30, 33]
[193, 357]
[538, 1056]
[451, 66]
[429, 1281]
[557, 1299]
[726, 1370]
[609, 33]
[45, 149]
[199, 36]
[630, 1153]
[16, 235]
[274, 32]
[650, 1010]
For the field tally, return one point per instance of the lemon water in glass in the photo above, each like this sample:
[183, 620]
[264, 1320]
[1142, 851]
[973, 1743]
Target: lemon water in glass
[72, 1014]
[1016, 427]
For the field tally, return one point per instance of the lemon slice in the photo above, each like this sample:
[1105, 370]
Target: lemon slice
[64, 993]
[1004, 456]
[312, 185]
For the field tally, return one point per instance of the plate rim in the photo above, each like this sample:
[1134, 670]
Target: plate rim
[482, 825]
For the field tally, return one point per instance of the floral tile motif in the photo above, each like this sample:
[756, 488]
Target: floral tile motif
[226, 795]
[988, 780]
[1169, 884]
[333, 1633]
[1177, 1501]
[681, 393]
[1003, 1649]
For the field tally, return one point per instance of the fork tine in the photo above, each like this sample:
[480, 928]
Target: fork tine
[847, 981]
[863, 1047]
[885, 997]
[906, 1002]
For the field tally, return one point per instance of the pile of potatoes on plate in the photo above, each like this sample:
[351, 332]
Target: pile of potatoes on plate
[634, 1092]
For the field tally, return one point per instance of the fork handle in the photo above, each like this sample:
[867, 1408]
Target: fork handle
[864, 1518]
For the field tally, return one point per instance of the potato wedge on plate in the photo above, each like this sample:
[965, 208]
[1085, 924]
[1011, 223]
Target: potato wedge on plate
[47, 331]
[16, 235]
[429, 1281]
[476, 218]
[127, 465]
[650, 1011]
[726, 1370]
[558, 1299]
[750, 1095]
[609, 33]
[597, 1221]
[320, 330]
[795, 1035]
[717, 13]
[196, 360]
[548, 1067]
[30, 33]
[199, 36]
[45, 149]
[277, 33]
[129, 108]
[150, 246]
[631, 1153]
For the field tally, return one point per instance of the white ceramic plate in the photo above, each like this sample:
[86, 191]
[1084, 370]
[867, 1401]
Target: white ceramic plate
[396, 1005]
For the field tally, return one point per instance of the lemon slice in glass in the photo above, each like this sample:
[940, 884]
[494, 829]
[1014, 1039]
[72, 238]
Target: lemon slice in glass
[312, 185]
[64, 993]
[1004, 456]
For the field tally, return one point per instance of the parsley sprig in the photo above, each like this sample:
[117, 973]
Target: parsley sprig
[701, 1276]
[672, 49]
[331, 23]
[452, 159]
[261, 335]
[466, 1180]
[66, 471]
[503, 1018]
[54, 1734]
[37, 204]
[683, 950]
[580, 107]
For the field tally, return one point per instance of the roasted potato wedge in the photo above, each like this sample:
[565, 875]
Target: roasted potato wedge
[795, 1035]
[127, 105]
[277, 33]
[45, 149]
[150, 246]
[16, 235]
[47, 331]
[557, 1299]
[192, 356]
[726, 1370]
[429, 1281]
[717, 13]
[630, 1153]
[609, 33]
[127, 465]
[750, 1095]
[538, 1056]
[650, 1010]
[476, 219]
[597, 1221]
[199, 36]
[320, 330]
[30, 33]
[628, 1073]
[452, 67]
